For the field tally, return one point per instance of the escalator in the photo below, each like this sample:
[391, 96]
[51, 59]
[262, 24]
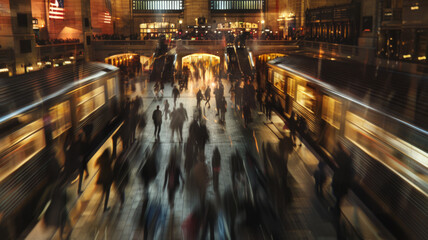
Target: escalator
[245, 62]
[233, 68]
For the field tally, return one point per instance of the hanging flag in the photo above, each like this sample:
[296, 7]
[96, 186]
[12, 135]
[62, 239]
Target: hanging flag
[56, 9]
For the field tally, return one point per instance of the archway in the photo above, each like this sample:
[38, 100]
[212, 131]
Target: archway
[201, 66]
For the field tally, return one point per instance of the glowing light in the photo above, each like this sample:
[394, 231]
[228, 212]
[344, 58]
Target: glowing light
[30, 68]
[4, 69]
[71, 57]
[180, 21]
[407, 56]
[67, 62]
[56, 65]
[48, 63]
[422, 58]
[263, 21]
[414, 8]
[39, 63]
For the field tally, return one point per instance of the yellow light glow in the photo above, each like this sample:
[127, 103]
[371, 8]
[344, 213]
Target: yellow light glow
[4, 69]
[422, 58]
[407, 56]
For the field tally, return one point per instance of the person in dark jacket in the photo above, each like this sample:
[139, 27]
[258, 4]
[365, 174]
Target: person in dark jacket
[175, 94]
[216, 163]
[157, 120]
[199, 98]
[172, 178]
[105, 177]
[121, 176]
[208, 96]
[343, 174]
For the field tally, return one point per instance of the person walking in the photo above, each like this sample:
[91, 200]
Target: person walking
[223, 110]
[175, 94]
[216, 163]
[166, 109]
[247, 114]
[121, 176]
[181, 118]
[105, 177]
[199, 98]
[172, 177]
[157, 120]
[208, 96]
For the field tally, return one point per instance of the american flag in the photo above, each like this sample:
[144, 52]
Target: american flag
[56, 9]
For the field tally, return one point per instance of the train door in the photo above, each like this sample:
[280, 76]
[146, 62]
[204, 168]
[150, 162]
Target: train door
[291, 91]
[331, 113]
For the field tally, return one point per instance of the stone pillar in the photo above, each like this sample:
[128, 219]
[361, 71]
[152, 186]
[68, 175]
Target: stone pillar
[194, 9]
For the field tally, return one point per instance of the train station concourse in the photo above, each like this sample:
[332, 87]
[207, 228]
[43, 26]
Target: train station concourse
[213, 119]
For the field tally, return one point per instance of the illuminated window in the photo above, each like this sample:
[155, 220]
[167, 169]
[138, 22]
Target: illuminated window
[278, 81]
[90, 102]
[60, 118]
[291, 89]
[157, 5]
[331, 111]
[20, 146]
[111, 87]
[237, 5]
[381, 145]
[306, 97]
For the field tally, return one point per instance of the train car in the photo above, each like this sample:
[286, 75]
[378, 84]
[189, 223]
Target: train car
[40, 112]
[381, 115]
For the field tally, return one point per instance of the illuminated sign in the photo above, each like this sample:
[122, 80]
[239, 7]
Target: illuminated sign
[56, 9]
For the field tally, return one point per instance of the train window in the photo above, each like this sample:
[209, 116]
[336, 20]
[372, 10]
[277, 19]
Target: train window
[111, 87]
[385, 147]
[21, 146]
[270, 75]
[278, 81]
[306, 97]
[90, 102]
[331, 111]
[60, 118]
[291, 89]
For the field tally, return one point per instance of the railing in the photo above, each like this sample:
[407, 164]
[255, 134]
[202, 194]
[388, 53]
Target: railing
[341, 50]
[62, 49]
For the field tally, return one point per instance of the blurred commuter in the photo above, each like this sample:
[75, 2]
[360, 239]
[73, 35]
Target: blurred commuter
[172, 177]
[181, 118]
[157, 120]
[200, 177]
[293, 126]
[223, 109]
[166, 111]
[259, 97]
[56, 213]
[208, 96]
[320, 178]
[216, 163]
[247, 114]
[269, 107]
[149, 169]
[105, 176]
[343, 175]
[199, 98]
[190, 154]
[175, 94]
[202, 136]
[121, 176]
[83, 159]
[236, 167]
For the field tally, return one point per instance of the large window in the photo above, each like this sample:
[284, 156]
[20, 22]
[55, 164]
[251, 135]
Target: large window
[306, 97]
[278, 81]
[331, 111]
[90, 102]
[61, 120]
[20, 146]
[157, 5]
[237, 5]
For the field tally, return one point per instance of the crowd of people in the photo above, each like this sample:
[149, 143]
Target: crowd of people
[56, 41]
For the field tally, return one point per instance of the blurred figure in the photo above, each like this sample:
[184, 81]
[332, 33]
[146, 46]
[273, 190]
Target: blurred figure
[199, 98]
[259, 97]
[320, 178]
[121, 176]
[149, 169]
[176, 94]
[236, 167]
[172, 177]
[247, 114]
[202, 137]
[157, 120]
[166, 111]
[200, 177]
[293, 126]
[190, 153]
[105, 176]
[57, 214]
[181, 118]
[219, 93]
[343, 175]
[223, 109]
[269, 106]
[216, 163]
[208, 96]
